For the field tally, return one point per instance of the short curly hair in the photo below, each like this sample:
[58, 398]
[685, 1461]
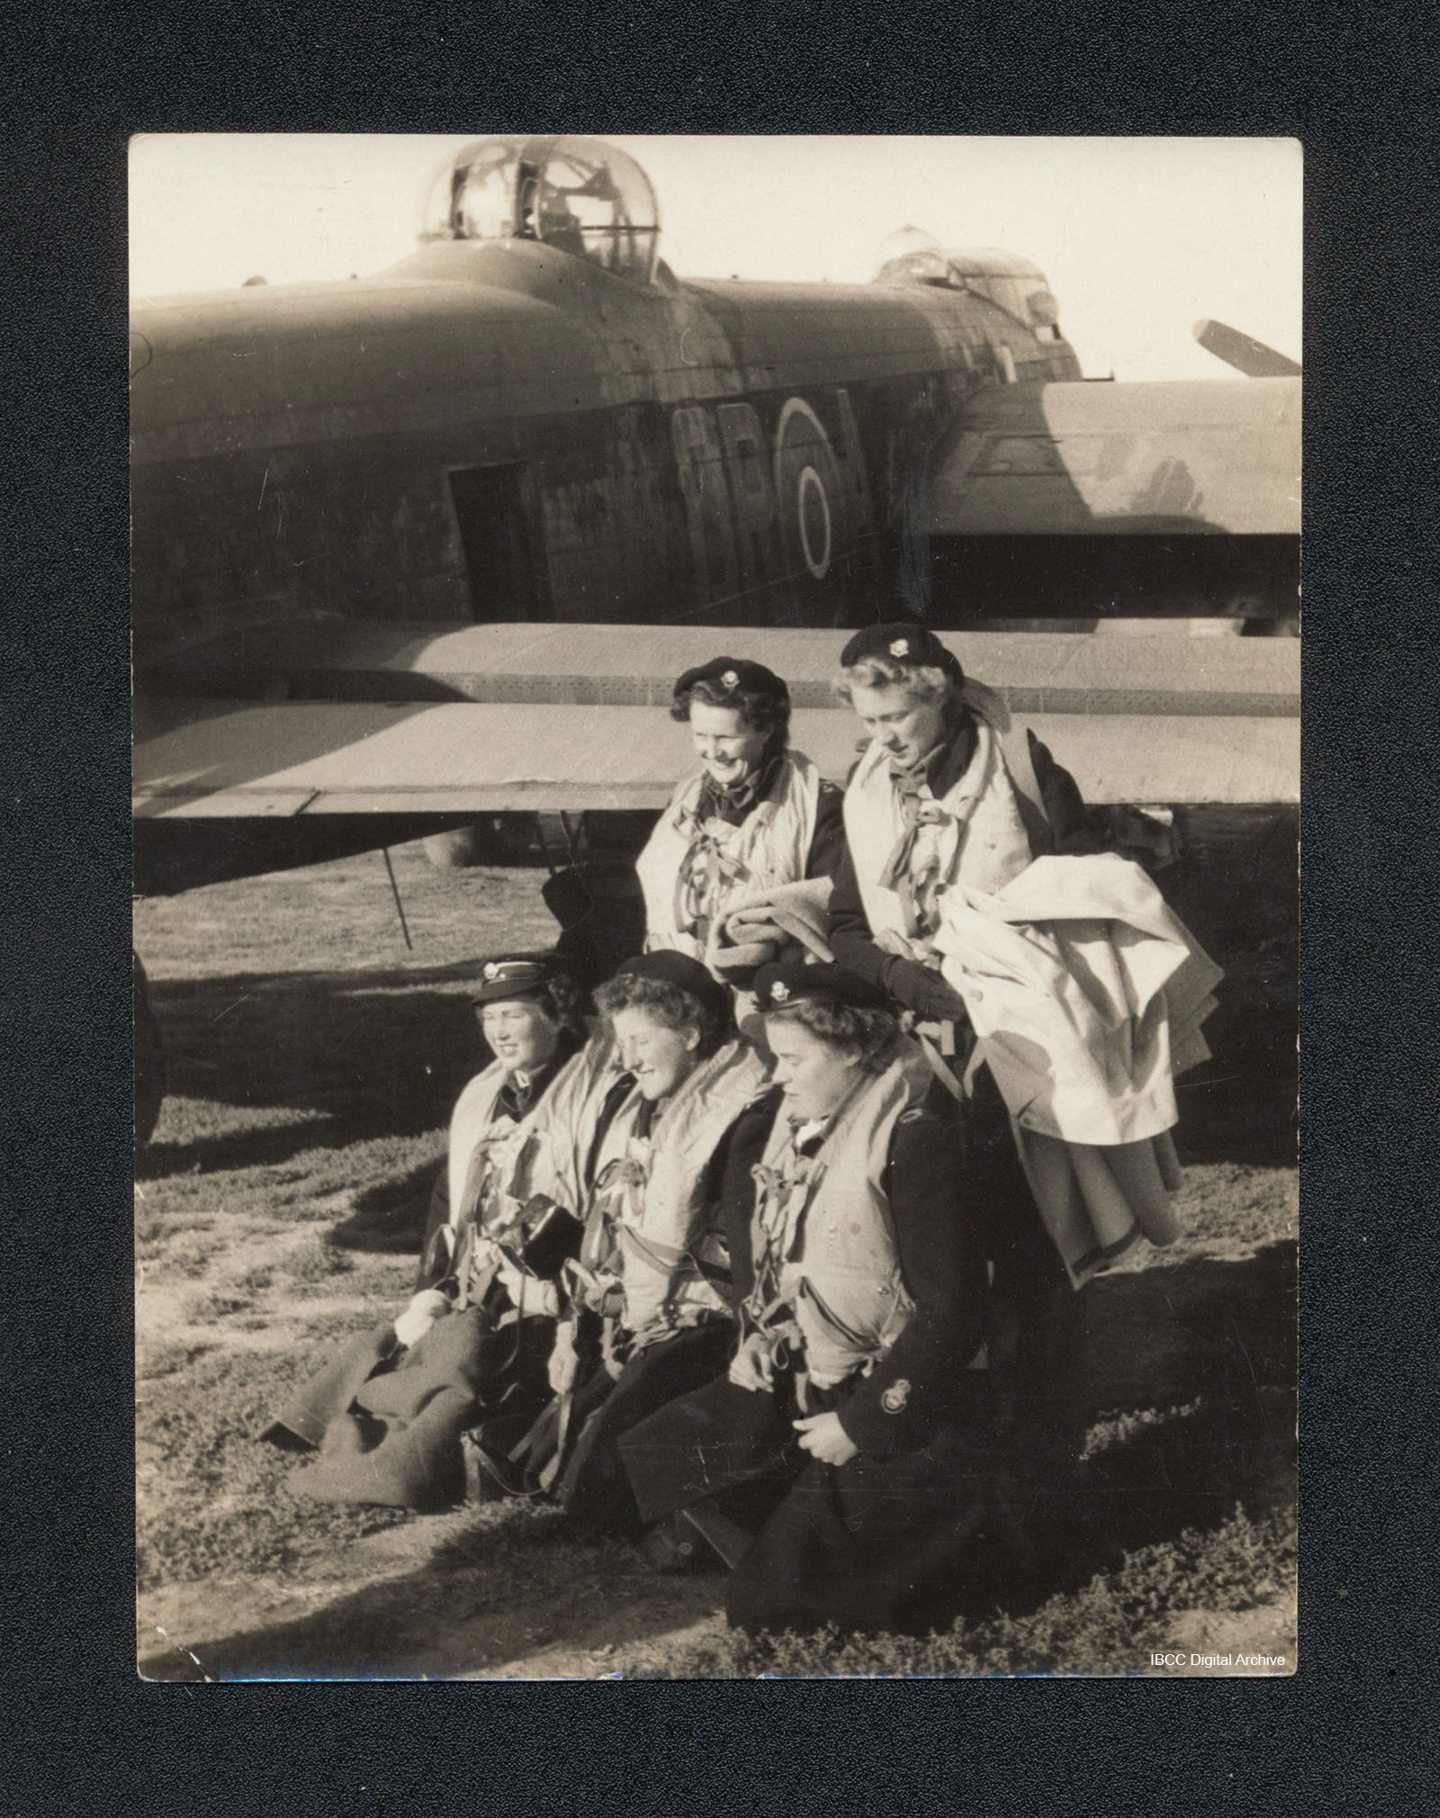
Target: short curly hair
[668, 1004]
[871, 1036]
[563, 1001]
[922, 681]
[761, 712]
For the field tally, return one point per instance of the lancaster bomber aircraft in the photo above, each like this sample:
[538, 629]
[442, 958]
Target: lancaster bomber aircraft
[423, 552]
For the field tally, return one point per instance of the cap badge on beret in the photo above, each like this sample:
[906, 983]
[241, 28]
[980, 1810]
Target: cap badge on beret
[900, 647]
[779, 992]
[491, 972]
[730, 679]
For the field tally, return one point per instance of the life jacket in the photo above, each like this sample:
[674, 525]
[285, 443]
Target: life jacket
[823, 1234]
[488, 1183]
[985, 829]
[651, 1227]
[690, 869]
[555, 1160]
[482, 1146]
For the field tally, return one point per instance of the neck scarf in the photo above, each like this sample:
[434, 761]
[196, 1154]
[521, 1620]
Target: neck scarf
[731, 803]
[920, 786]
[708, 869]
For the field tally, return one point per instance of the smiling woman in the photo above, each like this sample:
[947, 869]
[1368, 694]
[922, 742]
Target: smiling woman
[386, 1414]
[647, 1314]
[753, 819]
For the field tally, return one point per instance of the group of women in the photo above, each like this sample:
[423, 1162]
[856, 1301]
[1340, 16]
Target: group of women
[747, 1267]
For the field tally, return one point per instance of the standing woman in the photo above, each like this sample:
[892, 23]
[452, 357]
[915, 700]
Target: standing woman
[649, 1313]
[754, 818]
[840, 1467]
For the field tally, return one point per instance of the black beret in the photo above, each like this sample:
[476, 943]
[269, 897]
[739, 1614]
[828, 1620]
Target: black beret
[517, 975]
[782, 985]
[686, 974]
[902, 642]
[737, 674]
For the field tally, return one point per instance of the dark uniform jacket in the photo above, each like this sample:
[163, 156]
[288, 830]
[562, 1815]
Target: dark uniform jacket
[923, 1381]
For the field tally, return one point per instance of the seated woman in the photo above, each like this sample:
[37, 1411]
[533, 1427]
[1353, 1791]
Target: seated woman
[755, 818]
[388, 1414]
[841, 1467]
[648, 1312]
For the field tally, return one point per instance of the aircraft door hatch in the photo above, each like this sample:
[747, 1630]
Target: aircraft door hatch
[500, 557]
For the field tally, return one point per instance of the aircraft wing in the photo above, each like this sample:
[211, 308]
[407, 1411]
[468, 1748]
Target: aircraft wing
[331, 718]
[1088, 457]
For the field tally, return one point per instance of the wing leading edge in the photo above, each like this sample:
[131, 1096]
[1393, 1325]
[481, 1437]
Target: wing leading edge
[487, 719]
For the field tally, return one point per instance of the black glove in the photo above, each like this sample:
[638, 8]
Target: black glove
[916, 987]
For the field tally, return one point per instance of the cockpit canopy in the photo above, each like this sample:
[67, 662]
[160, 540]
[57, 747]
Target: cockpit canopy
[579, 195]
[1018, 287]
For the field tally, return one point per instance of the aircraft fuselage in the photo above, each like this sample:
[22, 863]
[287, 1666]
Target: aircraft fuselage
[506, 432]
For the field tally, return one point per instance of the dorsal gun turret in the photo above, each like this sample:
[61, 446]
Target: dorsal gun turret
[1014, 284]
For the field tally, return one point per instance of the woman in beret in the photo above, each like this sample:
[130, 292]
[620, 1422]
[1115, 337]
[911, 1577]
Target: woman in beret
[388, 1414]
[754, 818]
[945, 793]
[840, 1465]
[647, 1311]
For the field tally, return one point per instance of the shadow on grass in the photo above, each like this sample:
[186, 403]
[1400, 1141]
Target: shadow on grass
[1202, 1351]
[1209, 1347]
[269, 1146]
[389, 1218]
[1237, 890]
[373, 1053]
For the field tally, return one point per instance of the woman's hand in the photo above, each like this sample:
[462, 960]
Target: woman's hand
[822, 1436]
[903, 946]
[426, 1307]
[753, 1367]
[564, 1359]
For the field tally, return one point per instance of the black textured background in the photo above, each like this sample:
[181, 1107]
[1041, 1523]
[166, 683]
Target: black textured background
[1351, 1732]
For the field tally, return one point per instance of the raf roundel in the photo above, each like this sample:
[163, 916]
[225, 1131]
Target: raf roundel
[900, 648]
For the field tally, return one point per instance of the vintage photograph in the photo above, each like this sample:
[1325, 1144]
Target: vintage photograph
[715, 784]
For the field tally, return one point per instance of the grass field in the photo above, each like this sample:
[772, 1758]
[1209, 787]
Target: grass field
[313, 1062]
